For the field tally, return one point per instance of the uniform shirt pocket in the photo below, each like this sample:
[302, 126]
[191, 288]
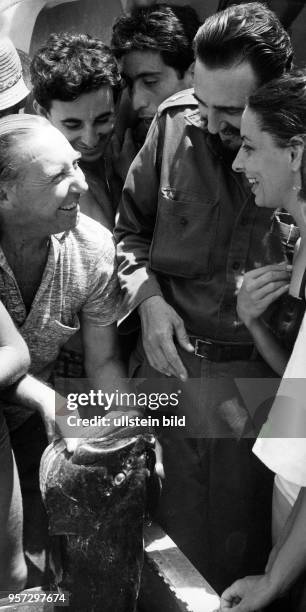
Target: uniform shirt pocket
[184, 234]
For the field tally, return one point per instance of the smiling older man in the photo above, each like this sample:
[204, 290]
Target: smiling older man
[57, 275]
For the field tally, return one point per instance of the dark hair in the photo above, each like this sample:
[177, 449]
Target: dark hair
[280, 108]
[69, 65]
[14, 128]
[168, 30]
[245, 32]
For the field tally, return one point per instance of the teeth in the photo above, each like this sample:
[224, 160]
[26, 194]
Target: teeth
[69, 206]
[252, 181]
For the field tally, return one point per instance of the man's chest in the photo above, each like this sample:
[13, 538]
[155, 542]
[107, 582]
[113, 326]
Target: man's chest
[28, 279]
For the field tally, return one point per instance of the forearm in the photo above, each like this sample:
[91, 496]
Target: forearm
[268, 346]
[111, 379]
[14, 363]
[290, 560]
[32, 393]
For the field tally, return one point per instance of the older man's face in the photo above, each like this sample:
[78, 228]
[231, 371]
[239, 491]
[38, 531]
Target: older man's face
[222, 94]
[45, 200]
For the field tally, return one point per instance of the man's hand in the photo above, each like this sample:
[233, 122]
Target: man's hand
[160, 325]
[260, 288]
[248, 595]
[123, 154]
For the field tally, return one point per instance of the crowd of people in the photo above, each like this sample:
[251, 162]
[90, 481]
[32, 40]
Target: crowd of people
[137, 188]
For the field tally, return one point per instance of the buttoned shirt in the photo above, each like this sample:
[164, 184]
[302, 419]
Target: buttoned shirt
[188, 227]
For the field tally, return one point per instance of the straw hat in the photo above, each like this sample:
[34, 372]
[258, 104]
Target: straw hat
[12, 85]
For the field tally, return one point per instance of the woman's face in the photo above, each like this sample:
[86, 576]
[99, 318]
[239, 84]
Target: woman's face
[265, 164]
[45, 200]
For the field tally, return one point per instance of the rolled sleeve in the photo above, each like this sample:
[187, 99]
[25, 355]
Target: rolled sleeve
[104, 303]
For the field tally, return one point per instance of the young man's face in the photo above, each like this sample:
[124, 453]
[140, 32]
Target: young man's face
[150, 81]
[222, 95]
[87, 122]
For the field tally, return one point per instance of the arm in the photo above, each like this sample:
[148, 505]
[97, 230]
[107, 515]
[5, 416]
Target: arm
[254, 592]
[136, 222]
[102, 360]
[36, 395]
[134, 231]
[259, 289]
[14, 354]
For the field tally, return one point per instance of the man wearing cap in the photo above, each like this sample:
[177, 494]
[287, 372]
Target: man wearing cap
[13, 90]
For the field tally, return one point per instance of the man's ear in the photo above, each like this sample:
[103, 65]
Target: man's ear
[296, 149]
[40, 110]
[188, 76]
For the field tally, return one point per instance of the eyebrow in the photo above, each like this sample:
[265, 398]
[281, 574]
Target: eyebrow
[141, 75]
[221, 108]
[58, 169]
[101, 116]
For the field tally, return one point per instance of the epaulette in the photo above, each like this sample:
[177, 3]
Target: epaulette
[181, 98]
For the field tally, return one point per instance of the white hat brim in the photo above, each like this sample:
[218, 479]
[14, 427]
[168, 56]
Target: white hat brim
[11, 96]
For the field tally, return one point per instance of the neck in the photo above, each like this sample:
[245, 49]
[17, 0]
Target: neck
[297, 207]
[17, 244]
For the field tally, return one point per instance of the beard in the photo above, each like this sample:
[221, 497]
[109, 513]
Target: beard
[230, 138]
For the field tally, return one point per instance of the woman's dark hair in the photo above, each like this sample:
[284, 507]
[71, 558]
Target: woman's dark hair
[69, 65]
[280, 108]
[246, 32]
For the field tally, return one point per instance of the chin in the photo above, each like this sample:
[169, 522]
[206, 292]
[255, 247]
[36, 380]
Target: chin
[91, 158]
[233, 144]
[262, 204]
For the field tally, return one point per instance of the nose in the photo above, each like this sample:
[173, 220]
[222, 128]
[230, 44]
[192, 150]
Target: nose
[213, 121]
[78, 183]
[139, 97]
[238, 163]
[90, 136]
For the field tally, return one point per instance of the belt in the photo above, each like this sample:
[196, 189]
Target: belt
[222, 351]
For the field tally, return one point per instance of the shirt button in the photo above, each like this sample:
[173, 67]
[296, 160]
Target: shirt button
[236, 265]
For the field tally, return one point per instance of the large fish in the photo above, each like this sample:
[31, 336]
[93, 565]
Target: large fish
[96, 500]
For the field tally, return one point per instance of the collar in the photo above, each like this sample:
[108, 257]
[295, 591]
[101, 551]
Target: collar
[61, 236]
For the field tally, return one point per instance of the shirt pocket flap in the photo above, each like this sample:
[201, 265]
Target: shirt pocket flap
[184, 234]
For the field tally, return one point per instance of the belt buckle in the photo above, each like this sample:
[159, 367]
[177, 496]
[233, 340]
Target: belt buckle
[197, 346]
